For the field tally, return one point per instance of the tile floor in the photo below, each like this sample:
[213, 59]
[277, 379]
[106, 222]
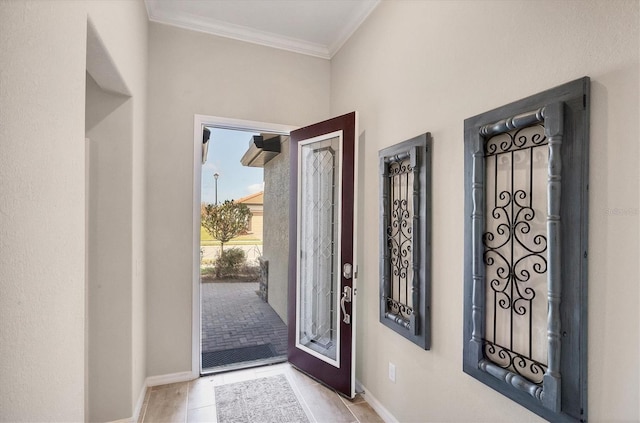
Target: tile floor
[194, 401]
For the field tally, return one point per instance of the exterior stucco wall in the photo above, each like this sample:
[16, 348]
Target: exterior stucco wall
[276, 228]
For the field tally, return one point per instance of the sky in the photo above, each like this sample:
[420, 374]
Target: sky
[226, 148]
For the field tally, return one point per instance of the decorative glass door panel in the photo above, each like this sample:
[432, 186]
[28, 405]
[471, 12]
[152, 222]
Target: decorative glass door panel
[318, 331]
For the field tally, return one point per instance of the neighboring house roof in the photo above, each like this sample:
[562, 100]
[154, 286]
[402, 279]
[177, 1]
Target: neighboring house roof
[256, 198]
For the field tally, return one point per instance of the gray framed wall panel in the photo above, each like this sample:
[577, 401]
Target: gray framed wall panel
[542, 363]
[405, 239]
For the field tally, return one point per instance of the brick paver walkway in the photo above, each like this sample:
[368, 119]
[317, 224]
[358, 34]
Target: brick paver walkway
[233, 316]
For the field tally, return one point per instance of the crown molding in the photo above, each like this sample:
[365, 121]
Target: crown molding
[269, 39]
[237, 32]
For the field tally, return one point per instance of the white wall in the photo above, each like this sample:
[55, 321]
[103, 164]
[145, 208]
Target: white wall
[195, 73]
[42, 68]
[42, 211]
[109, 124]
[426, 66]
[123, 29]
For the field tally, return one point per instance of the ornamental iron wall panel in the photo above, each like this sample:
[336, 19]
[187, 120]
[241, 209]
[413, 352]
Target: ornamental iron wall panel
[405, 239]
[515, 251]
[526, 175]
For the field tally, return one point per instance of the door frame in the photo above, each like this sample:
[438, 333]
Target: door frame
[199, 122]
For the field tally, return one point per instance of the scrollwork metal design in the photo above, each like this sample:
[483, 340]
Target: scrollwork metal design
[517, 272]
[399, 236]
[398, 308]
[531, 370]
[399, 167]
[520, 139]
[513, 253]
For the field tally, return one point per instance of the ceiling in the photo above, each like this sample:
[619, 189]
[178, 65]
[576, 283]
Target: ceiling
[313, 27]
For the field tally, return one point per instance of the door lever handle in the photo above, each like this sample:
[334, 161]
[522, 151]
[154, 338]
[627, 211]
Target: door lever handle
[346, 298]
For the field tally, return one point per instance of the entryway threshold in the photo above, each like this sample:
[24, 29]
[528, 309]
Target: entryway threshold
[244, 365]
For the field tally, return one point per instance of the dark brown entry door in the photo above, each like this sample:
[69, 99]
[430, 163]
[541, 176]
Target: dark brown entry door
[321, 271]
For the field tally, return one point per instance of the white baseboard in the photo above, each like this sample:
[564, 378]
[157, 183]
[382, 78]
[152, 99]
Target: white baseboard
[139, 403]
[155, 381]
[375, 404]
[169, 378]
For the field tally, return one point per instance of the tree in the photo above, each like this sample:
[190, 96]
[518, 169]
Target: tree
[225, 221]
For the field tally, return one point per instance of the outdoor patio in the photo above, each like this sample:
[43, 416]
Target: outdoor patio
[237, 326]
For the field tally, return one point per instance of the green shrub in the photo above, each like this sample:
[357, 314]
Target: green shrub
[206, 271]
[230, 262]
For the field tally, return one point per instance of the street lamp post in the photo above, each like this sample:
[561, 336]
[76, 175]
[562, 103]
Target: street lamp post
[215, 176]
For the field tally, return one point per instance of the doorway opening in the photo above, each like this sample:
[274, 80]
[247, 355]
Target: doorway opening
[240, 277]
